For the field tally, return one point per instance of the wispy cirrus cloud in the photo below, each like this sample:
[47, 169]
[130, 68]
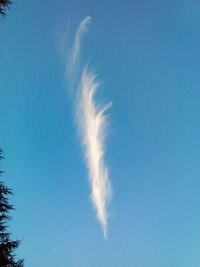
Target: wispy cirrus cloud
[74, 57]
[92, 123]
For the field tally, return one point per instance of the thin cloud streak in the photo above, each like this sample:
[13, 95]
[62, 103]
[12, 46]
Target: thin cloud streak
[92, 121]
[77, 43]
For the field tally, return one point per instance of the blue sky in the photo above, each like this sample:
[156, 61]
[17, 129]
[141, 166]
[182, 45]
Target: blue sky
[147, 56]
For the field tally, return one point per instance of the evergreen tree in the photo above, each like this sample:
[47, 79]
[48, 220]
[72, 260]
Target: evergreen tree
[4, 4]
[7, 245]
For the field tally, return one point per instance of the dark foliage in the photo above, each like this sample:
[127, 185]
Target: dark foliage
[4, 4]
[7, 245]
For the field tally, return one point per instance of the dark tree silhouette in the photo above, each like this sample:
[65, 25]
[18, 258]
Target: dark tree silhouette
[4, 4]
[7, 245]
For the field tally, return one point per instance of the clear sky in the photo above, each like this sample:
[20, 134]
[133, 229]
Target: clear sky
[147, 56]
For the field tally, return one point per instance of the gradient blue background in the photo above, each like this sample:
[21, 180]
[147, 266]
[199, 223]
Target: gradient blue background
[147, 56]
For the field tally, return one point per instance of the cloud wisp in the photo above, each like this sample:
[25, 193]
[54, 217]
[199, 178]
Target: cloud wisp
[77, 43]
[92, 124]
[92, 121]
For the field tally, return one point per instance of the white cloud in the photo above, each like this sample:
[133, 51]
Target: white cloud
[77, 43]
[92, 121]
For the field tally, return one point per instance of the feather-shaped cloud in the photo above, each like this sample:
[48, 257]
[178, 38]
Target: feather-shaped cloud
[92, 122]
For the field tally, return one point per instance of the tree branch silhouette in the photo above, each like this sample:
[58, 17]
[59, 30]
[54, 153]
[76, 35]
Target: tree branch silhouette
[4, 4]
[7, 245]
